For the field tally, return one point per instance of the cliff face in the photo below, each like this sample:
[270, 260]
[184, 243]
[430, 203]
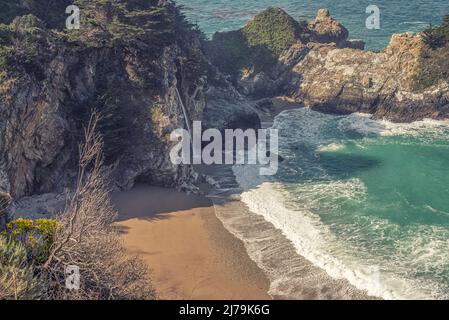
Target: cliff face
[326, 71]
[126, 62]
[346, 80]
[52, 79]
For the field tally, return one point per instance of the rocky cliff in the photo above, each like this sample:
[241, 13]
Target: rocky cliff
[344, 81]
[126, 61]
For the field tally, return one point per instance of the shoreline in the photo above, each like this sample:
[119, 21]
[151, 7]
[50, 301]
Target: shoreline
[189, 251]
[237, 246]
[291, 276]
[254, 260]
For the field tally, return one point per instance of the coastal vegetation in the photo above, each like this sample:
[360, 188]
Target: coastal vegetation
[434, 60]
[257, 45]
[127, 61]
[34, 254]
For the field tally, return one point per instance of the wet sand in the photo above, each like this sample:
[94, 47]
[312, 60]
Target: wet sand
[191, 254]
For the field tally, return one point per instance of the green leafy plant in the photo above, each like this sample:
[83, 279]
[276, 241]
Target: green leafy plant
[37, 236]
[273, 29]
[258, 45]
[437, 37]
[17, 278]
[434, 59]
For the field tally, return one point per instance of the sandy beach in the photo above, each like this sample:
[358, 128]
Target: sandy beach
[191, 254]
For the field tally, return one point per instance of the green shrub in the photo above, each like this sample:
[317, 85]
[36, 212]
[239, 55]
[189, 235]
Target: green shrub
[37, 236]
[434, 60]
[258, 45]
[17, 279]
[273, 29]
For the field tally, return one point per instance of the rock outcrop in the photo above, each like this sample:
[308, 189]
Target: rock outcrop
[327, 30]
[53, 80]
[326, 71]
[343, 81]
[118, 64]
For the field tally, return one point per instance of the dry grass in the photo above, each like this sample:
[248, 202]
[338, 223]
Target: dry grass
[17, 278]
[88, 240]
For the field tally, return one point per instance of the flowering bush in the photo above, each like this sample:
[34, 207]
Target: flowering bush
[36, 236]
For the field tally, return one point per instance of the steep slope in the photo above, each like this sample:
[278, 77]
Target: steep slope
[126, 61]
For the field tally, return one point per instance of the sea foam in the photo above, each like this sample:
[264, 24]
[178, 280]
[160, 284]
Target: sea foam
[290, 207]
[315, 241]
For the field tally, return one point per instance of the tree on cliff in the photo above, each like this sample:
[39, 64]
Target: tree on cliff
[437, 37]
[434, 57]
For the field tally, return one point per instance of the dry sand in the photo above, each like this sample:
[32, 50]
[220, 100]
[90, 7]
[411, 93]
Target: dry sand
[191, 254]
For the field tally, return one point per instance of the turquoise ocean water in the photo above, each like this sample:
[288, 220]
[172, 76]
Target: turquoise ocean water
[365, 200]
[396, 15]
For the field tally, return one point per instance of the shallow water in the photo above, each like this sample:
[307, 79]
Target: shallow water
[366, 201]
[397, 16]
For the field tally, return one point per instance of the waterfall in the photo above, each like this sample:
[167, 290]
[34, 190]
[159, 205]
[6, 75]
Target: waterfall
[184, 111]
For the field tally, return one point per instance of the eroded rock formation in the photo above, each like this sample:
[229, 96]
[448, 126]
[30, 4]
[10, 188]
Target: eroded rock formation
[330, 73]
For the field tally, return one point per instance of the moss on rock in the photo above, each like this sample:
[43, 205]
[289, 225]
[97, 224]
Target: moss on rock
[273, 29]
[257, 45]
